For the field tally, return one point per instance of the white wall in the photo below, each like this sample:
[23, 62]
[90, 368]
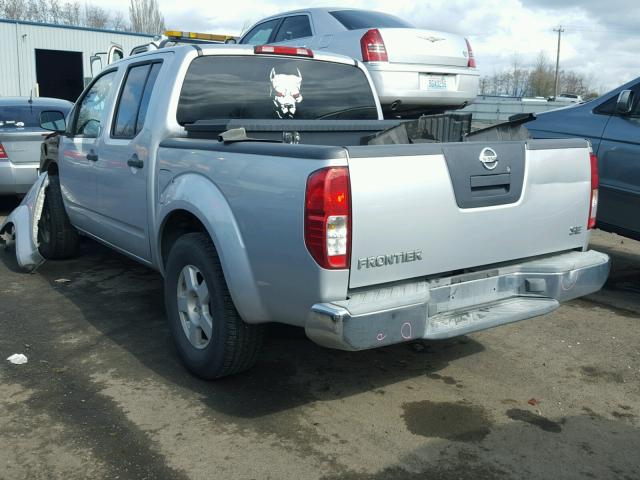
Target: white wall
[18, 42]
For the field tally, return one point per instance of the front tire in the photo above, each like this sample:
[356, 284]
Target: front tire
[211, 338]
[56, 236]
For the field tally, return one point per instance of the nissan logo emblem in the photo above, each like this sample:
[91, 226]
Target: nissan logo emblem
[489, 158]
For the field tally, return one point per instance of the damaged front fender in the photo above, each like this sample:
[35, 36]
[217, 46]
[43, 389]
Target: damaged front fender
[21, 226]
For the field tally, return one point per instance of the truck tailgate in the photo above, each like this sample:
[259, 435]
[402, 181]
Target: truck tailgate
[424, 209]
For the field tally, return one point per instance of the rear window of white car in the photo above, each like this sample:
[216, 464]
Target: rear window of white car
[273, 87]
[359, 19]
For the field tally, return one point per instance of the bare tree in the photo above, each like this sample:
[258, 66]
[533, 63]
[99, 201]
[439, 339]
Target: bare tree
[145, 16]
[118, 22]
[62, 12]
[537, 80]
[542, 77]
[95, 17]
[70, 13]
[519, 77]
[55, 11]
[37, 11]
[14, 9]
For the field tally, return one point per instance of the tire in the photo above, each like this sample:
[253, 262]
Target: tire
[232, 346]
[56, 236]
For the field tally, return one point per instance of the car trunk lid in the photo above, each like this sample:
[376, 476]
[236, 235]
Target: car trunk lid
[22, 146]
[431, 47]
[420, 210]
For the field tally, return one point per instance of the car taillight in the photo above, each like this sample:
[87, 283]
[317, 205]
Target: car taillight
[327, 217]
[595, 179]
[372, 46]
[3, 153]
[472, 59]
[282, 50]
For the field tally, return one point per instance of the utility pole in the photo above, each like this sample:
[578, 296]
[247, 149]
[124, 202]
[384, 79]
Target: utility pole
[559, 30]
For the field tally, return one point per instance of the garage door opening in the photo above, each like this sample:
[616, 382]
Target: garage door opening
[59, 74]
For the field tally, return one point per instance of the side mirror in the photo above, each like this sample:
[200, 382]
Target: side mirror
[95, 62]
[230, 41]
[115, 53]
[624, 104]
[53, 120]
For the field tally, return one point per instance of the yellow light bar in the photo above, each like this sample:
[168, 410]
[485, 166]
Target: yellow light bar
[197, 36]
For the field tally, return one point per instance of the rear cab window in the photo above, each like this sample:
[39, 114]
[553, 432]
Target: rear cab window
[272, 87]
[359, 19]
[297, 26]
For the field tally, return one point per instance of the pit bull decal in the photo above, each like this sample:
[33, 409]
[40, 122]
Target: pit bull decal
[285, 90]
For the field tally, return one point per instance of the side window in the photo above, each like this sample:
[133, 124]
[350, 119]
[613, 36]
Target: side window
[134, 100]
[294, 27]
[609, 107]
[636, 101]
[91, 108]
[260, 34]
[146, 96]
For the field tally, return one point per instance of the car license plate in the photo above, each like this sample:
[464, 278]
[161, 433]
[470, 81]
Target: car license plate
[434, 82]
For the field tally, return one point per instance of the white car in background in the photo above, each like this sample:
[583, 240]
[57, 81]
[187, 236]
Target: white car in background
[415, 71]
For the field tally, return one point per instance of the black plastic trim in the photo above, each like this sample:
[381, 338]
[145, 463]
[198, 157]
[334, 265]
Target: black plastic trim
[312, 152]
[396, 150]
[556, 143]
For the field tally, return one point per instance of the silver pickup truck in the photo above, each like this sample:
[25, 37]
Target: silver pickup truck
[254, 181]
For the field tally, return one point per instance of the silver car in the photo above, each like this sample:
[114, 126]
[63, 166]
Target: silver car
[414, 71]
[21, 137]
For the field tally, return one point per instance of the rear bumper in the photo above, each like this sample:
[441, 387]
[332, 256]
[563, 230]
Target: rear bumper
[402, 82]
[17, 178]
[453, 306]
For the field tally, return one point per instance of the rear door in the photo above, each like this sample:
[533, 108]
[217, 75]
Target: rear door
[619, 160]
[295, 30]
[421, 210]
[261, 33]
[123, 168]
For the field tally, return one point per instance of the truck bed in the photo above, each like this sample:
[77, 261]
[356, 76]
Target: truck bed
[424, 209]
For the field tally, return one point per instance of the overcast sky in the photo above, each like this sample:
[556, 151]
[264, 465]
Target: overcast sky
[601, 38]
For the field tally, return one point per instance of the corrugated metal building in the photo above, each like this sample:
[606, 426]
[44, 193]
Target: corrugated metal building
[490, 109]
[53, 60]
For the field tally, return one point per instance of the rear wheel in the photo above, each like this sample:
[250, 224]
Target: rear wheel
[211, 338]
[56, 236]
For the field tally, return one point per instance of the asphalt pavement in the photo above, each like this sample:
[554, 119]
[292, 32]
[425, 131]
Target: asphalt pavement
[103, 394]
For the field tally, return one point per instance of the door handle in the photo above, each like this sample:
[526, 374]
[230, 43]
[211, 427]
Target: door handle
[135, 162]
[92, 156]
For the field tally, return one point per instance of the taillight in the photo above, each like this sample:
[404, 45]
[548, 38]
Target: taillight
[472, 59]
[3, 153]
[282, 50]
[593, 204]
[372, 46]
[327, 217]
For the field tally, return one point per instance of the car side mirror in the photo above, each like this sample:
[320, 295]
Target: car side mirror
[230, 41]
[624, 104]
[53, 120]
[95, 62]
